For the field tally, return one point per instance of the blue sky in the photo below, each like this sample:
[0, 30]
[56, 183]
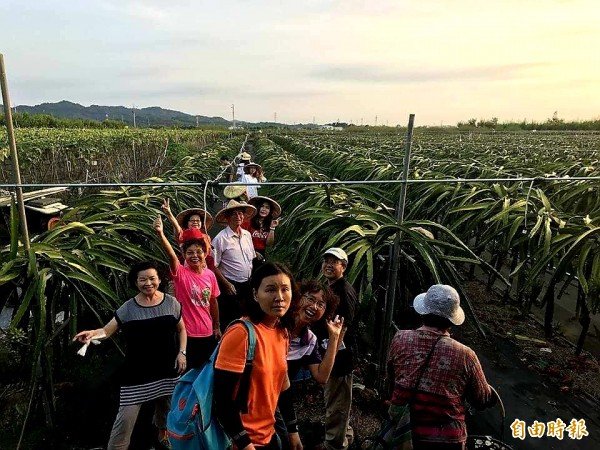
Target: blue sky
[353, 60]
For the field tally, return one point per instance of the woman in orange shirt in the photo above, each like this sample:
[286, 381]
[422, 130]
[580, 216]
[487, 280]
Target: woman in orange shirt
[251, 424]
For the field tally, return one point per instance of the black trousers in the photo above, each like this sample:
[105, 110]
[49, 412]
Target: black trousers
[199, 350]
[231, 306]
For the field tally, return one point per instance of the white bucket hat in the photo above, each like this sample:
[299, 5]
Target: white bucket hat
[441, 300]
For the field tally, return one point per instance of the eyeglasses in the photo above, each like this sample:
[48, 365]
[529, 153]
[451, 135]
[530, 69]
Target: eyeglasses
[319, 304]
[331, 262]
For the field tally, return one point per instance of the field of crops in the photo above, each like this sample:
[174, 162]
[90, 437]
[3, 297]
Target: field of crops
[51, 155]
[545, 231]
[531, 226]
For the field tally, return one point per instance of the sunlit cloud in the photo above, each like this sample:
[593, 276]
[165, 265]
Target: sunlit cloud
[370, 74]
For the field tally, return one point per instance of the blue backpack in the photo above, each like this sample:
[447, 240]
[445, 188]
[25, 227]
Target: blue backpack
[191, 424]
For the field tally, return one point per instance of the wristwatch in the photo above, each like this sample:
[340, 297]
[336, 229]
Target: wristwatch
[183, 352]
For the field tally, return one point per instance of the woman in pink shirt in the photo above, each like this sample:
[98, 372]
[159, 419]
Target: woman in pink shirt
[196, 289]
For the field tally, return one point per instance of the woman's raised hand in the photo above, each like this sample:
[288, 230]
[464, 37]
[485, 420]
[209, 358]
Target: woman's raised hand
[158, 225]
[165, 206]
[335, 326]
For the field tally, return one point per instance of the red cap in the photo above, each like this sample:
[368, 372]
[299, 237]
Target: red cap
[192, 234]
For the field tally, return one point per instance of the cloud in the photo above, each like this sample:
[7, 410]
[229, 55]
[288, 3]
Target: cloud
[140, 10]
[374, 74]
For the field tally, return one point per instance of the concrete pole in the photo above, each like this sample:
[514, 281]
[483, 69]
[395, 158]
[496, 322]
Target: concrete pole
[13, 154]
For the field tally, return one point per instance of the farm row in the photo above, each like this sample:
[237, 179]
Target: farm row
[532, 227]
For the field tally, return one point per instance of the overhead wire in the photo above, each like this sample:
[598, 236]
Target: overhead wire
[307, 183]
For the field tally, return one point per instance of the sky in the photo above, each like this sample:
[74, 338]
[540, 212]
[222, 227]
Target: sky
[303, 60]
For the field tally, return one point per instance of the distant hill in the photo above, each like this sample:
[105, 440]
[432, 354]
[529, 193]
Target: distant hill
[151, 116]
[144, 117]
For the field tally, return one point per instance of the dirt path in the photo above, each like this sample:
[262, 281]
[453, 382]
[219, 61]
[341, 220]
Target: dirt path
[537, 379]
[528, 396]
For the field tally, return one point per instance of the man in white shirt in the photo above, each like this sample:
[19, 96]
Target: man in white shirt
[244, 159]
[233, 253]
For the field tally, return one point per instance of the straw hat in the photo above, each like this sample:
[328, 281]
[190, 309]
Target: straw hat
[245, 156]
[249, 211]
[259, 200]
[183, 217]
[441, 300]
[231, 192]
[252, 164]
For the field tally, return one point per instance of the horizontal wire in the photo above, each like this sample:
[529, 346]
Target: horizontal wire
[305, 183]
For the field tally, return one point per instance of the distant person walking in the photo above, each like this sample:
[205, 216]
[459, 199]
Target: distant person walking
[234, 253]
[338, 390]
[251, 175]
[226, 169]
[435, 374]
[244, 159]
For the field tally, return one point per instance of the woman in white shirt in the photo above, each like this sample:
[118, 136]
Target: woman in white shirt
[251, 173]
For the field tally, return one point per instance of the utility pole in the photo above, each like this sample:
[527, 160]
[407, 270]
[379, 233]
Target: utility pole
[133, 110]
[13, 154]
[233, 115]
[375, 120]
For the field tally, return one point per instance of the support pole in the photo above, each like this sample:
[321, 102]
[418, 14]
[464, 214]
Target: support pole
[394, 264]
[13, 154]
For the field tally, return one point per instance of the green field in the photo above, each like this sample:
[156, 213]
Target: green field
[546, 231]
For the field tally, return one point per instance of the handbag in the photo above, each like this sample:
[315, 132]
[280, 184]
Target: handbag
[396, 433]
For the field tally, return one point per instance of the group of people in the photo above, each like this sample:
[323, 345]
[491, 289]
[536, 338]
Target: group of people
[310, 324]
[246, 171]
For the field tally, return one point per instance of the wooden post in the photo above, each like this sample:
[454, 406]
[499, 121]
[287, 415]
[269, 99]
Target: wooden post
[13, 154]
[394, 263]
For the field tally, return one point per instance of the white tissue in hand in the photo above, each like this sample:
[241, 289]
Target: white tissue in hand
[95, 340]
[82, 351]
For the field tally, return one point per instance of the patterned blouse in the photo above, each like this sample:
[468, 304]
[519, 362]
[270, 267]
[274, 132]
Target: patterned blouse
[452, 376]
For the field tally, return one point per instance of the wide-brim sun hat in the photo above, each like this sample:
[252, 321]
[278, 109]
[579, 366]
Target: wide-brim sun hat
[259, 200]
[231, 192]
[337, 253]
[183, 217]
[249, 211]
[252, 164]
[441, 300]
